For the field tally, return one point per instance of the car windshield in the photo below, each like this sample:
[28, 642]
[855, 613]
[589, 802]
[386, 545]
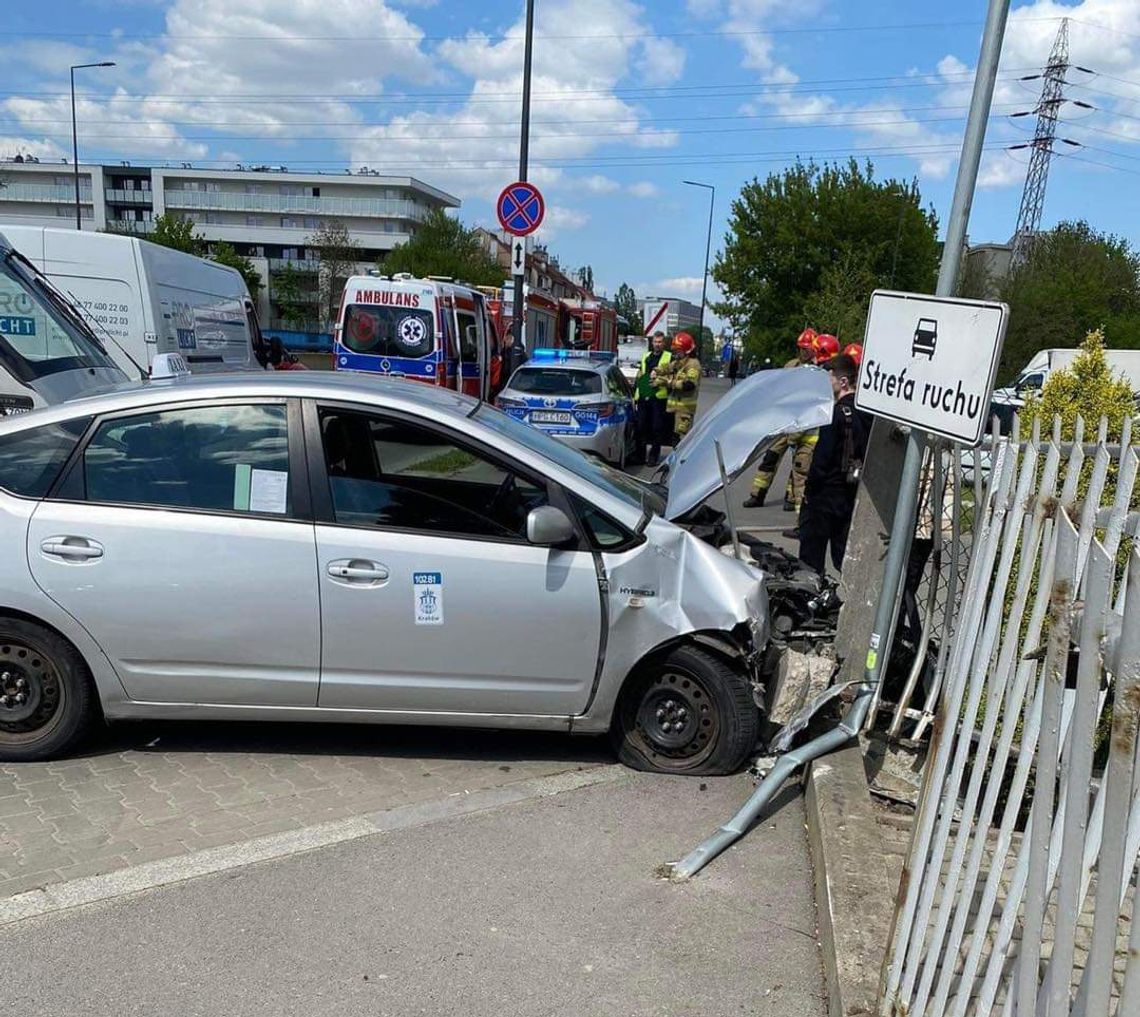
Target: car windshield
[636, 493]
[556, 381]
[389, 331]
[37, 334]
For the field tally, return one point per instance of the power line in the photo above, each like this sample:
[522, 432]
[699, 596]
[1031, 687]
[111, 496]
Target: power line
[603, 162]
[847, 118]
[710, 33]
[774, 89]
[484, 98]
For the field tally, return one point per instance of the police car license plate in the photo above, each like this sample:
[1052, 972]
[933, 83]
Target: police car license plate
[549, 417]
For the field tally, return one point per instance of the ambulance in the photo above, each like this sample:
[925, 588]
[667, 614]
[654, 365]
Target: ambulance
[433, 330]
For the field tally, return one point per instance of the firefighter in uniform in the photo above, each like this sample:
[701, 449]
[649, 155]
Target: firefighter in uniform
[833, 480]
[809, 351]
[681, 378]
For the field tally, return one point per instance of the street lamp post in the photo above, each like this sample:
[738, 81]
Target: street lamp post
[708, 248]
[75, 136]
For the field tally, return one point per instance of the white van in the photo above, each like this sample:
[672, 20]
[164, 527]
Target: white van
[48, 353]
[143, 299]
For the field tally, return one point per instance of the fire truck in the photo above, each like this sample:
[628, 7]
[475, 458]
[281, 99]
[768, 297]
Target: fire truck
[582, 323]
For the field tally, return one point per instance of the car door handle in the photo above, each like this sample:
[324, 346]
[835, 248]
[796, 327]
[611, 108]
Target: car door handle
[72, 548]
[357, 570]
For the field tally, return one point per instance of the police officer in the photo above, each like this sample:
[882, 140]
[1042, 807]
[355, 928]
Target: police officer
[651, 400]
[833, 480]
[802, 444]
[681, 378]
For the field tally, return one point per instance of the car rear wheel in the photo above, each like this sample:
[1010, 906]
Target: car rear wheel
[47, 700]
[688, 712]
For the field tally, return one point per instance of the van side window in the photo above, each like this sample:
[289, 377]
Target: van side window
[31, 460]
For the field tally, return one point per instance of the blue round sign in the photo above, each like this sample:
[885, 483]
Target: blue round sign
[521, 208]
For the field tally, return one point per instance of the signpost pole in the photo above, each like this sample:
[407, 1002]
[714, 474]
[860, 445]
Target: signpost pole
[902, 529]
[519, 323]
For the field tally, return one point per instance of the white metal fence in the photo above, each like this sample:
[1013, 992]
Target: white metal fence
[1019, 882]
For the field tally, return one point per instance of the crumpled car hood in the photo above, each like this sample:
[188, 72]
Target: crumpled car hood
[745, 422]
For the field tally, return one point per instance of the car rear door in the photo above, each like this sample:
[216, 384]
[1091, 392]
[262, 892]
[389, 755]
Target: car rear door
[432, 600]
[181, 538]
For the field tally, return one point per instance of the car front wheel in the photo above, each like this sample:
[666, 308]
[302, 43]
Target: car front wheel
[47, 700]
[688, 712]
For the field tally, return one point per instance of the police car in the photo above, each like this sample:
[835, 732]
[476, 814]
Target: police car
[578, 396]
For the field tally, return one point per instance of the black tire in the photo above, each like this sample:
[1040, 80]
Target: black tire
[47, 697]
[687, 712]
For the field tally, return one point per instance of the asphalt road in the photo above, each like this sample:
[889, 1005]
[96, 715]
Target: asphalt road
[551, 906]
[327, 869]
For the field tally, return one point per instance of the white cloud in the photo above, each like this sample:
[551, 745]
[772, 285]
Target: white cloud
[197, 81]
[597, 184]
[661, 62]
[560, 219]
[41, 148]
[574, 109]
[644, 189]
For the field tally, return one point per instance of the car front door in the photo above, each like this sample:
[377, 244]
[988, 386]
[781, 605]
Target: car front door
[181, 539]
[432, 599]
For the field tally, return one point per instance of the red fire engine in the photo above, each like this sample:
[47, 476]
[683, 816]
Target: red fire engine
[580, 323]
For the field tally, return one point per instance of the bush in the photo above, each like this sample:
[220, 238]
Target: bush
[1086, 388]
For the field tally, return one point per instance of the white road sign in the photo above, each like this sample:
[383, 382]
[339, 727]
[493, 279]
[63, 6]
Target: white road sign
[930, 362]
[518, 256]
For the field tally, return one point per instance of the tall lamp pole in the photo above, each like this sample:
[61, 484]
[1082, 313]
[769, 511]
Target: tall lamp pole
[519, 324]
[75, 135]
[708, 249]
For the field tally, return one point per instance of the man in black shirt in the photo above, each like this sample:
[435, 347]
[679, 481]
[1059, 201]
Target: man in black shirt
[833, 479]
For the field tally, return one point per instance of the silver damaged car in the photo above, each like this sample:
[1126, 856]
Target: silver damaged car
[309, 547]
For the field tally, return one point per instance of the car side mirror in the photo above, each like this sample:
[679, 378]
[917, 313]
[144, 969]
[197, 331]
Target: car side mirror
[548, 526]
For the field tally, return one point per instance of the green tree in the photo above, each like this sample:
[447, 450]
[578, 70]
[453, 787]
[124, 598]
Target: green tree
[338, 254]
[288, 296]
[444, 246]
[625, 302]
[786, 231]
[839, 305]
[1076, 280]
[1087, 388]
[224, 254]
[177, 233]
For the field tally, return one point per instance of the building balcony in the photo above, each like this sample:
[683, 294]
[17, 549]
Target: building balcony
[286, 204]
[54, 193]
[297, 264]
[124, 197]
[129, 226]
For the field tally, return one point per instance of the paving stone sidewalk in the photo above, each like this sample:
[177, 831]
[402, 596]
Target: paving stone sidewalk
[151, 791]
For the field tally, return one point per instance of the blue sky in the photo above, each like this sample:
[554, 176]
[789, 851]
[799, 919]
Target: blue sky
[630, 100]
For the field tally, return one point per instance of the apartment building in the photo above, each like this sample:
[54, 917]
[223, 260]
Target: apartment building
[267, 213]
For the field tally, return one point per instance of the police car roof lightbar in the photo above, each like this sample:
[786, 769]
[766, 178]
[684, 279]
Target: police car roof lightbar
[559, 355]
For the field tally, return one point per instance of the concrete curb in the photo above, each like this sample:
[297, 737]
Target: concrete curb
[854, 894]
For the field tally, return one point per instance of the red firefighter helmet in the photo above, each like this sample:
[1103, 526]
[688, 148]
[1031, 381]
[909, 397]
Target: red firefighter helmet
[855, 352]
[826, 347]
[683, 343]
[807, 338]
